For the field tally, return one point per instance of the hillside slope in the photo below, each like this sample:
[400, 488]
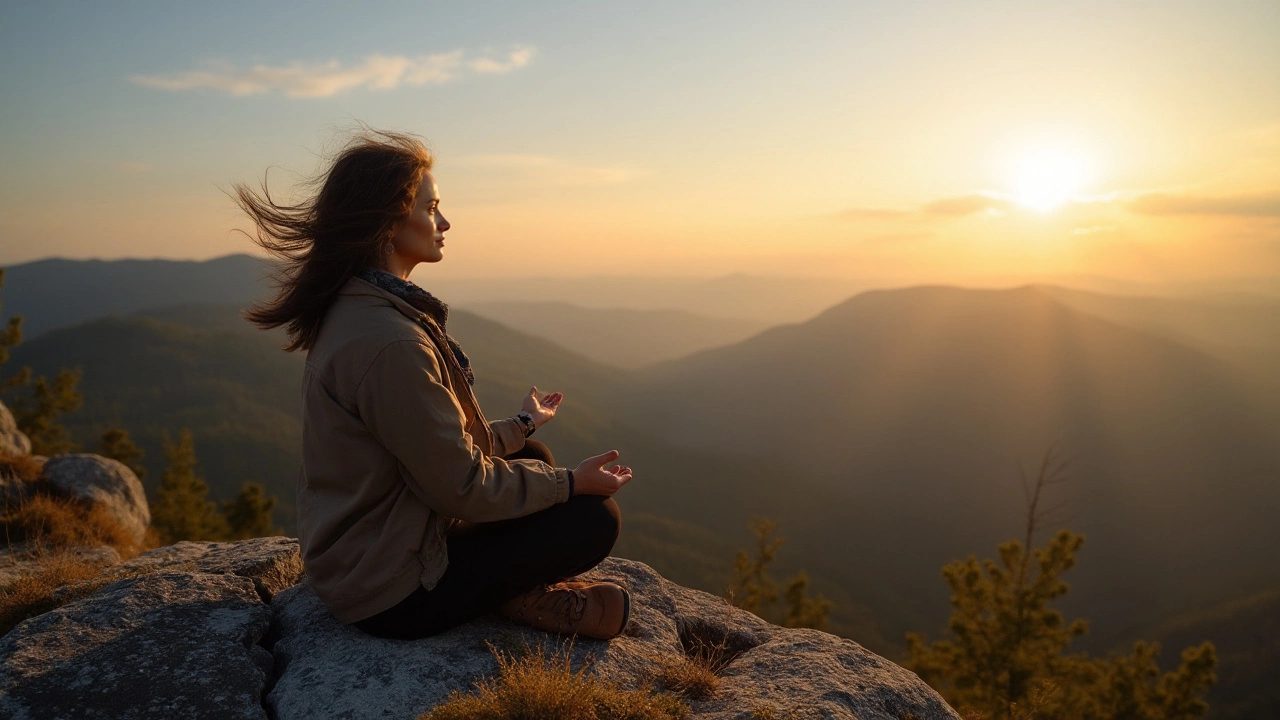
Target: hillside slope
[919, 404]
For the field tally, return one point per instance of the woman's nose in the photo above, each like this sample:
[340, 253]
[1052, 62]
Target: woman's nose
[442, 224]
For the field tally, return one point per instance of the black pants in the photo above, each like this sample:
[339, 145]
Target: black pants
[490, 563]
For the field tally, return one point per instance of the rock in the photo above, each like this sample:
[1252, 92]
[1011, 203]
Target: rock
[325, 668]
[20, 558]
[95, 480]
[169, 645]
[187, 640]
[272, 563]
[12, 440]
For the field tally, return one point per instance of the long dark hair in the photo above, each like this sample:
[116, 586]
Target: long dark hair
[343, 228]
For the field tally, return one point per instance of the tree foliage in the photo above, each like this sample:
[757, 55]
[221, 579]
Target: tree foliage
[753, 589]
[37, 412]
[117, 445]
[249, 513]
[1006, 656]
[182, 510]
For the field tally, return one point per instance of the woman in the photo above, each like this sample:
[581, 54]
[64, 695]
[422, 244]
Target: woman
[415, 513]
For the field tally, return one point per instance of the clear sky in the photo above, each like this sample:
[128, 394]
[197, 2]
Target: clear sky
[899, 140]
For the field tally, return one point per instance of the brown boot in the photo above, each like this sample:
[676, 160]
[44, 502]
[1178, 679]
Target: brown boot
[594, 610]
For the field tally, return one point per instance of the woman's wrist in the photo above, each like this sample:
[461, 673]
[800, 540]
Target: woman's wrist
[570, 483]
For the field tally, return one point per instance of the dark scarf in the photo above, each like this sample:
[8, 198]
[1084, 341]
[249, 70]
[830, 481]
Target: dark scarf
[424, 301]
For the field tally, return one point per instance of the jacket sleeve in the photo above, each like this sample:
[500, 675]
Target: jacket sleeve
[406, 407]
[508, 436]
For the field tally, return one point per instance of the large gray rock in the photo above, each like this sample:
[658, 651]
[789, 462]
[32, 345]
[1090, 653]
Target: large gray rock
[272, 563]
[180, 636]
[12, 440]
[168, 645]
[95, 480]
[327, 669]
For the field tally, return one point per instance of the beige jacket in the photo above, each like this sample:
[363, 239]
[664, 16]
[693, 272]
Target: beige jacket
[394, 447]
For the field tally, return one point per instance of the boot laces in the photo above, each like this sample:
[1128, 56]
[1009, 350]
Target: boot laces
[570, 603]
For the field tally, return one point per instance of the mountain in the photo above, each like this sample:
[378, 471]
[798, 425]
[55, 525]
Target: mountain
[918, 405]
[202, 367]
[1241, 329]
[1246, 636]
[57, 292]
[884, 434]
[622, 337]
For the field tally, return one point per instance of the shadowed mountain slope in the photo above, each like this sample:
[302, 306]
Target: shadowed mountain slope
[57, 292]
[918, 405]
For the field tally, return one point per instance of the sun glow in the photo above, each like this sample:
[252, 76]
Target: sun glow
[1045, 179]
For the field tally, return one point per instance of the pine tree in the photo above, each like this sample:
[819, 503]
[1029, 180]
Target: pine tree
[182, 510]
[1006, 657]
[753, 589]
[249, 514]
[804, 611]
[11, 337]
[37, 414]
[117, 445]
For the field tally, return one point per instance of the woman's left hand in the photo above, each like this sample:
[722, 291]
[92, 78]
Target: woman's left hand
[542, 407]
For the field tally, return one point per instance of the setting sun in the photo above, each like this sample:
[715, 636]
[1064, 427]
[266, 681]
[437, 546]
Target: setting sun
[1047, 178]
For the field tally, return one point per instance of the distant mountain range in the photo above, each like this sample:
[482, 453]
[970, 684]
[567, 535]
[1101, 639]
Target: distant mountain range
[620, 337]
[885, 433]
[917, 405]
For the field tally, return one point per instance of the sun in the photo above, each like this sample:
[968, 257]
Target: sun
[1045, 179]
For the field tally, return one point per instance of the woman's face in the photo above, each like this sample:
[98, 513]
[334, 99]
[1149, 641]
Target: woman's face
[420, 237]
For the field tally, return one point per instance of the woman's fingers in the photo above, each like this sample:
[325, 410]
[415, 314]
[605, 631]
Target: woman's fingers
[603, 459]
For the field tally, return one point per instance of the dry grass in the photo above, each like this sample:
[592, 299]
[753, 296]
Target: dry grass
[536, 686]
[32, 593]
[22, 467]
[695, 674]
[55, 523]
[687, 677]
[47, 530]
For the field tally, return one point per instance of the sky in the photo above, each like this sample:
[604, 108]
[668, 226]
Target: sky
[898, 141]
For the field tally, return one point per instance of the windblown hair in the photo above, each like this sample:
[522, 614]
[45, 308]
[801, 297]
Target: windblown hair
[342, 229]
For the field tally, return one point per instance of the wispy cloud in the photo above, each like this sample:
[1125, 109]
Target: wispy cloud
[865, 213]
[1245, 205]
[315, 80]
[967, 205]
[549, 170]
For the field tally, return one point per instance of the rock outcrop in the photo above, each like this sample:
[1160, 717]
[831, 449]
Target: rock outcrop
[230, 630]
[12, 440]
[95, 480]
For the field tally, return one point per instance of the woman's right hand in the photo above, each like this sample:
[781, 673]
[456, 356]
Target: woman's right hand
[592, 478]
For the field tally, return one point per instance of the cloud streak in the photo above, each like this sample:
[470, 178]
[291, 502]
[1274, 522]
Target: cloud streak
[317, 80]
[1251, 205]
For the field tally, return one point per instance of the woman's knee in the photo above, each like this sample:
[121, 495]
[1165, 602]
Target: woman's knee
[599, 518]
[533, 450]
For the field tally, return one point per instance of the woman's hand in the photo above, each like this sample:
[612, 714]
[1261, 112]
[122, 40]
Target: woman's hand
[541, 407]
[591, 477]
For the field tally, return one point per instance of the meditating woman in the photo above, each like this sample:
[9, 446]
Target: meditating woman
[415, 513]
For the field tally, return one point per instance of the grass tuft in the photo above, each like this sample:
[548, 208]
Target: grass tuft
[56, 523]
[535, 686]
[32, 593]
[53, 532]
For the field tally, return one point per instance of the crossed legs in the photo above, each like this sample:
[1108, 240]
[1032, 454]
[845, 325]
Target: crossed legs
[490, 563]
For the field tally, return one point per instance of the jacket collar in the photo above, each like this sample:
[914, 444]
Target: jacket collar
[360, 287]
